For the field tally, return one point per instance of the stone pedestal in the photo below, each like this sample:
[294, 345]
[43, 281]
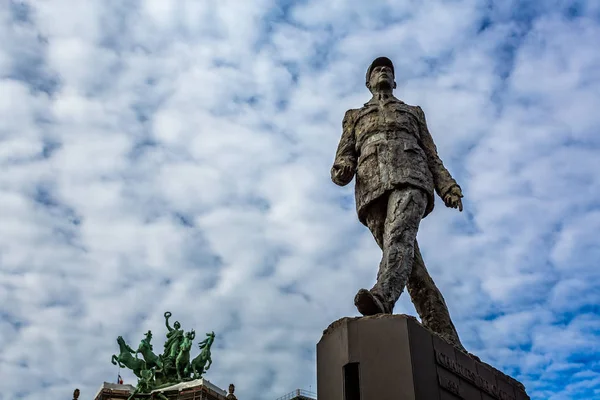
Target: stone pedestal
[393, 357]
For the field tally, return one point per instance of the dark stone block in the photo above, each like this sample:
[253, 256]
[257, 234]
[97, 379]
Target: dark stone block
[394, 357]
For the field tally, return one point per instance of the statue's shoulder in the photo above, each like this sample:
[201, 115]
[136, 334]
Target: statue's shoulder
[415, 110]
[350, 116]
[419, 110]
[352, 113]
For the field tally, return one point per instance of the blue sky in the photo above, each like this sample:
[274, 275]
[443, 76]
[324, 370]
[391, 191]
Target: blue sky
[175, 156]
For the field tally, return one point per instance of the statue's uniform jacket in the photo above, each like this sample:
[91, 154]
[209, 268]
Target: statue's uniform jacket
[389, 146]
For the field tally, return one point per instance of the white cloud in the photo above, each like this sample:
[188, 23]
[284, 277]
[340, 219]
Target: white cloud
[176, 157]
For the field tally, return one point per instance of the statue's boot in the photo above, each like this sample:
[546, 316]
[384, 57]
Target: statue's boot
[368, 303]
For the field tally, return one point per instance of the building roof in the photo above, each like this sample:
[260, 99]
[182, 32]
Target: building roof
[180, 390]
[193, 384]
[299, 394]
[114, 387]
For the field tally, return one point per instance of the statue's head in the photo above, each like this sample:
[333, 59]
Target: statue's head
[231, 388]
[380, 74]
[76, 394]
[177, 325]
[149, 334]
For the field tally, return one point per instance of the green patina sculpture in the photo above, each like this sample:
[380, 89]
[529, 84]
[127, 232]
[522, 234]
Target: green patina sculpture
[182, 362]
[145, 383]
[145, 349]
[126, 360]
[174, 338]
[171, 367]
[201, 359]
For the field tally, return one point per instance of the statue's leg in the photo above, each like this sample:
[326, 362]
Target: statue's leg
[365, 301]
[375, 219]
[405, 208]
[429, 302]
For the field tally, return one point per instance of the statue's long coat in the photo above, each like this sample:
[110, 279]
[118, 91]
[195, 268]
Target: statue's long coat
[389, 146]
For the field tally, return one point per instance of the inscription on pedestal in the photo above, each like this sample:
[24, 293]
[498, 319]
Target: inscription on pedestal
[470, 376]
[449, 385]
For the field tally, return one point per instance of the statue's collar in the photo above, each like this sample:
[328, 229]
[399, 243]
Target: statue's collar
[375, 101]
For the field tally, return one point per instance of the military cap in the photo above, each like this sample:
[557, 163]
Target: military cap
[379, 61]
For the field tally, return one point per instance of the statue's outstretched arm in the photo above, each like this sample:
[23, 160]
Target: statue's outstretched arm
[167, 316]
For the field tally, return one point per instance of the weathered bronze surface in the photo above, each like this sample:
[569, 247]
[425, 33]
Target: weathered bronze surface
[387, 146]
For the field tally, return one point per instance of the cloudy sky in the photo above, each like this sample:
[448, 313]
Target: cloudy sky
[175, 156]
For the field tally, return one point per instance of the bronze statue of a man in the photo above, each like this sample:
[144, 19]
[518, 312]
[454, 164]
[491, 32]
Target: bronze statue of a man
[387, 145]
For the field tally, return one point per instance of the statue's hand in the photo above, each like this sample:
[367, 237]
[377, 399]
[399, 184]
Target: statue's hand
[342, 174]
[167, 314]
[453, 198]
